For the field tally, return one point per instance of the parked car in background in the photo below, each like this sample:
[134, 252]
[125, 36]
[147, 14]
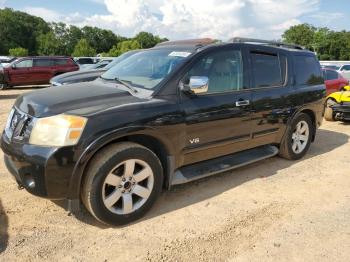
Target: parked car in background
[342, 68]
[334, 80]
[86, 61]
[88, 75]
[35, 70]
[338, 106]
[168, 115]
[99, 65]
[4, 60]
[345, 71]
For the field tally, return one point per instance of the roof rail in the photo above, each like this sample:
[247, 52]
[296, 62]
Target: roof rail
[268, 42]
[195, 42]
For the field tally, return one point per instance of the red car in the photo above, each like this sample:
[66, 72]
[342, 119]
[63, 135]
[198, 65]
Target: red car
[334, 81]
[35, 70]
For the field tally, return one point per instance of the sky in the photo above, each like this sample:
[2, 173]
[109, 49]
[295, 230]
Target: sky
[181, 19]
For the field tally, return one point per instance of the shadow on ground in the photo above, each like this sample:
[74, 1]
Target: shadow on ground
[19, 88]
[185, 195]
[3, 229]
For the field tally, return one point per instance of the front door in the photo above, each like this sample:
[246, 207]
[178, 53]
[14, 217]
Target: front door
[20, 74]
[218, 121]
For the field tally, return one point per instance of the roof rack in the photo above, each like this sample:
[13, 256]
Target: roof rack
[268, 42]
[194, 42]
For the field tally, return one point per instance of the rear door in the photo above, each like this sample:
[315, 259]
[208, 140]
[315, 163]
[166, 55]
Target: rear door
[42, 70]
[270, 88]
[20, 74]
[217, 122]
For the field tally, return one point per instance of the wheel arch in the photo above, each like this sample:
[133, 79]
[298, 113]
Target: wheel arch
[149, 139]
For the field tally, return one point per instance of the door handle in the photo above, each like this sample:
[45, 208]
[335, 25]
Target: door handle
[243, 103]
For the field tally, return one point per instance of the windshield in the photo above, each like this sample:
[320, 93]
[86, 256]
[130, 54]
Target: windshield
[148, 68]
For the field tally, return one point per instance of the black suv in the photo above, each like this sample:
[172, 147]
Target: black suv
[172, 114]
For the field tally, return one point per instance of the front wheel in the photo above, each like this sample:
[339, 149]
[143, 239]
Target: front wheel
[297, 140]
[122, 183]
[3, 86]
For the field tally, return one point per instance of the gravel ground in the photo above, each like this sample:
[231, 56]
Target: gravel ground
[274, 210]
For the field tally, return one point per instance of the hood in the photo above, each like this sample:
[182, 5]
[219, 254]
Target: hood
[79, 99]
[77, 76]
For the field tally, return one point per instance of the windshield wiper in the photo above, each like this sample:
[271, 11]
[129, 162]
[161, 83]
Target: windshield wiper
[124, 83]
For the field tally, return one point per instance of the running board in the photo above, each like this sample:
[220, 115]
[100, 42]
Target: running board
[218, 165]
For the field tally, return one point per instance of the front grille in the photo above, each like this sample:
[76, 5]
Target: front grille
[17, 125]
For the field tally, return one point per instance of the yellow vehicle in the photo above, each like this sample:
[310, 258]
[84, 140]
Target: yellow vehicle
[338, 106]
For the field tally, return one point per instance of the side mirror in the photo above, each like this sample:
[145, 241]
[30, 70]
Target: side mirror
[197, 85]
[346, 88]
[14, 66]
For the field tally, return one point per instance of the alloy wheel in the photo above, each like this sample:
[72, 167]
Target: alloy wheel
[128, 186]
[300, 137]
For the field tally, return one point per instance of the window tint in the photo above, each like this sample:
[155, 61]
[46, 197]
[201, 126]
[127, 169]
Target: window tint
[84, 61]
[60, 61]
[267, 69]
[42, 62]
[25, 63]
[331, 75]
[346, 68]
[224, 70]
[307, 71]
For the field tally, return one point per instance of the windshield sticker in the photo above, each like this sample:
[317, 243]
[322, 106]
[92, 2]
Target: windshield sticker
[179, 54]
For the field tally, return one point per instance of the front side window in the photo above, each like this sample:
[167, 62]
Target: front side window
[224, 70]
[307, 71]
[267, 69]
[147, 69]
[25, 63]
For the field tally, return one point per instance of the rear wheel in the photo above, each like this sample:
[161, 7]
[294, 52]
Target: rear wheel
[298, 138]
[328, 113]
[122, 183]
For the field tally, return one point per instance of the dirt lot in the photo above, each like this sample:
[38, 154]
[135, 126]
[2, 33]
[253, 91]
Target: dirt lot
[275, 210]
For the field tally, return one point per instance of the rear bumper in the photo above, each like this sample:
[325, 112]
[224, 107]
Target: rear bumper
[342, 112]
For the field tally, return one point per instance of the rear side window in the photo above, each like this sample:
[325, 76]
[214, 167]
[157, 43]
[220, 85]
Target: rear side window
[60, 61]
[331, 75]
[84, 61]
[267, 69]
[42, 62]
[307, 71]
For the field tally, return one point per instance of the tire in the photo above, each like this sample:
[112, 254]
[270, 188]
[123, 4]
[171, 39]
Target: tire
[294, 134]
[114, 201]
[3, 86]
[328, 113]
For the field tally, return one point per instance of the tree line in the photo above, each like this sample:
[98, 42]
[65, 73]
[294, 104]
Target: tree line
[22, 34]
[328, 44]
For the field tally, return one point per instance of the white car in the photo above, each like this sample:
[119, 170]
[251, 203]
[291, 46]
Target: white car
[343, 69]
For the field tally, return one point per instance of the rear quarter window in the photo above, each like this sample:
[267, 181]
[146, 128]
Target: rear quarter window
[60, 61]
[307, 71]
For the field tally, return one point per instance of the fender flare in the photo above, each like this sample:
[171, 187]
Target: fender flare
[99, 143]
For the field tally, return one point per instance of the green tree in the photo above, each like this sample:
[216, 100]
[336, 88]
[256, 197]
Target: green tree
[18, 52]
[20, 29]
[48, 44]
[148, 40]
[83, 48]
[300, 34]
[123, 47]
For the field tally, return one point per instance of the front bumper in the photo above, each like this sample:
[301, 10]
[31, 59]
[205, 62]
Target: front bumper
[341, 112]
[42, 171]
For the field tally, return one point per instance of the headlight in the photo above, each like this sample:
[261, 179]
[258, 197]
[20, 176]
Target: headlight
[60, 130]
